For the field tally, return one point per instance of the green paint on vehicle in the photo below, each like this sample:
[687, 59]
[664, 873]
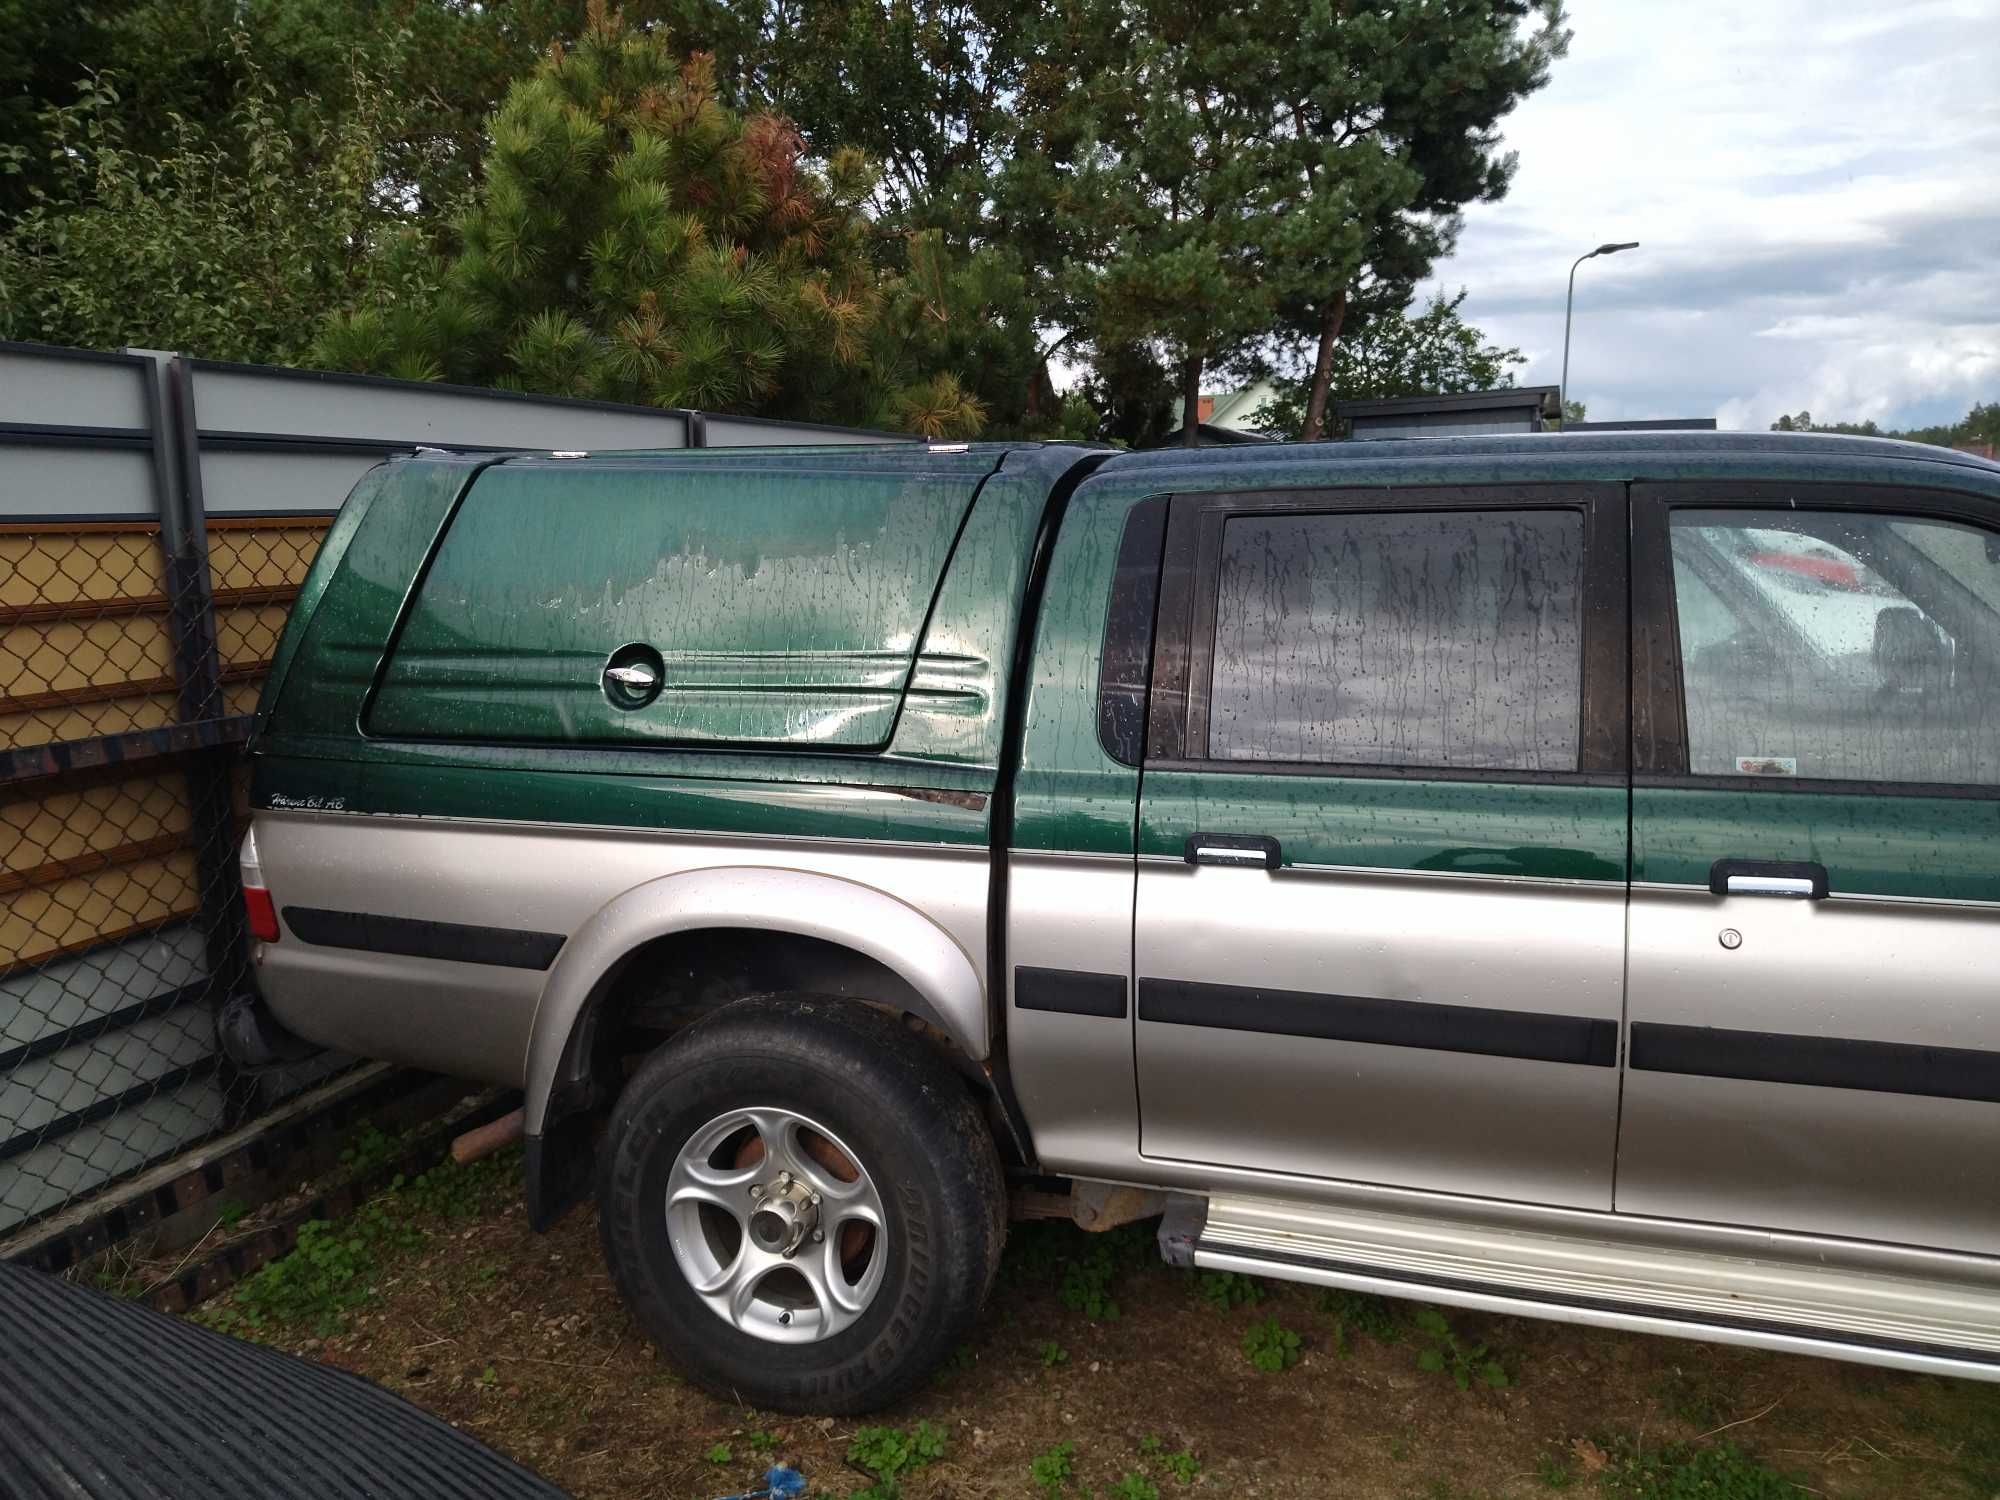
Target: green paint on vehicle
[1933, 848]
[836, 619]
[737, 807]
[784, 614]
[326, 562]
[334, 640]
[1539, 831]
[1069, 794]
[957, 699]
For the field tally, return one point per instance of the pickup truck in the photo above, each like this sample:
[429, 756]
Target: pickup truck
[1555, 874]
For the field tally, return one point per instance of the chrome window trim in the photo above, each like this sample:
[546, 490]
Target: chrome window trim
[1377, 872]
[1835, 898]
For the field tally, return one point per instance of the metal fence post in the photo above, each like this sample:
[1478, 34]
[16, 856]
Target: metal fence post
[198, 667]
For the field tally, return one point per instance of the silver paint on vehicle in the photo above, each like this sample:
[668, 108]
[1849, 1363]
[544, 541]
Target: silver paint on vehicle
[919, 910]
[1792, 1156]
[1497, 1126]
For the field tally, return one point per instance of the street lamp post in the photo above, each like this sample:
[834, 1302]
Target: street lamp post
[1569, 306]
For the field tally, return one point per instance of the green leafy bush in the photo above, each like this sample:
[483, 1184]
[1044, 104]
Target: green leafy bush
[1687, 1471]
[888, 1453]
[1270, 1346]
[1226, 1289]
[227, 240]
[331, 1267]
[1086, 1282]
[1051, 1468]
[1445, 1351]
[1361, 1312]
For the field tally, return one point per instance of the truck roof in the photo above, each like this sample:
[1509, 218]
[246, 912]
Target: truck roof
[1654, 452]
[1655, 446]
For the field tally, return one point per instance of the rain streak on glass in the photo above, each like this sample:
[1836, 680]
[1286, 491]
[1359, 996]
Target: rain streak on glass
[1838, 645]
[1410, 638]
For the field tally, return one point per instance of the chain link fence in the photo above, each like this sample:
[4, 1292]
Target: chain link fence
[147, 564]
[131, 650]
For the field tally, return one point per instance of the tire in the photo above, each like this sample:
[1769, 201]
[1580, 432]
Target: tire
[888, 1304]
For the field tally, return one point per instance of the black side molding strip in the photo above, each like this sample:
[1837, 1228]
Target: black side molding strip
[1823, 1061]
[1533, 1035]
[413, 937]
[1069, 992]
[1608, 1305]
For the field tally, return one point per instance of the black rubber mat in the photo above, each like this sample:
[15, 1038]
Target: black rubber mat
[103, 1398]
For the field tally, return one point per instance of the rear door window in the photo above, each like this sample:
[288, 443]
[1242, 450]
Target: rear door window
[1838, 645]
[734, 606]
[1450, 639]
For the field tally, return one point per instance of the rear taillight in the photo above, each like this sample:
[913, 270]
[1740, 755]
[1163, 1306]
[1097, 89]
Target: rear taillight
[263, 915]
[257, 903]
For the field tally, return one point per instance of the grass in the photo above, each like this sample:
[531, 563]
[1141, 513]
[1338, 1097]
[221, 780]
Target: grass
[1270, 1346]
[1182, 1465]
[1132, 1485]
[1086, 1282]
[331, 1269]
[1693, 1396]
[1963, 1421]
[1361, 1313]
[1051, 1469]
[1464, 1360]
[450, 1300]
[1553, 1472]
[1226, 1289]
[1697, 1472]
[889, 1453]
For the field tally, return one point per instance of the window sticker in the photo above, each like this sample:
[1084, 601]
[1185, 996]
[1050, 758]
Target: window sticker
[1767, 765]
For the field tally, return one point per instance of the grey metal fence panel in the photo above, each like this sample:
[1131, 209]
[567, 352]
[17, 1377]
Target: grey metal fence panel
[51, 480]
[157, 514]
[72, 388]
[742, 432]
[268, 482]
[307, 404]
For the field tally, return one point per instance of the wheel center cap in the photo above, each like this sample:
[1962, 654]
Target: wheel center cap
[787, 1213]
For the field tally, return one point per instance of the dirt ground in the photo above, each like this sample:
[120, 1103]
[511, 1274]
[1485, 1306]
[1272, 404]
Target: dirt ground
[440, 1292]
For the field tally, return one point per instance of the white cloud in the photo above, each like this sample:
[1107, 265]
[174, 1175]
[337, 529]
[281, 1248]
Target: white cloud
[1811, 187]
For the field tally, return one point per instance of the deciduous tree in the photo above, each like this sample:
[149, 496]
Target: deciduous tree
[1433, 352]
[226, 241]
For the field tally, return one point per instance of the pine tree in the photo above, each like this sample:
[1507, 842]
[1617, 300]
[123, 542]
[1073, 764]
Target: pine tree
[1155, 162]
[637, 240]
[1391, 112]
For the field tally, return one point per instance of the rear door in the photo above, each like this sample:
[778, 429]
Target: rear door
[1814, 982]
[1380, 914]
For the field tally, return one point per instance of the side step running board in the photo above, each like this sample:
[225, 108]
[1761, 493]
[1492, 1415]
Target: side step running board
[1943, 1328]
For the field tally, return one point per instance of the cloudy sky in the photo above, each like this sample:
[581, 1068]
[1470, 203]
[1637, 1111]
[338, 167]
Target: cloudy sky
[1816, 190]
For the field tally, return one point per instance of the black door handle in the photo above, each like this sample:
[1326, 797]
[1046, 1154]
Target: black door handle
[1799, 879]
[1244, 851]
